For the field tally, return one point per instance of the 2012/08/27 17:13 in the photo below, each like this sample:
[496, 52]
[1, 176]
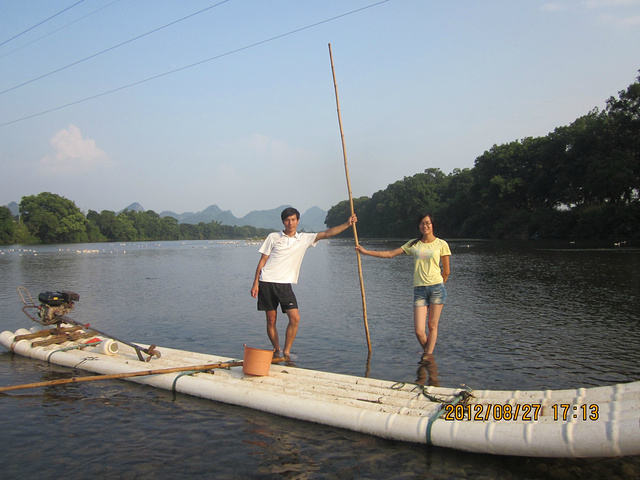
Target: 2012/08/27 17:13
[525, 412]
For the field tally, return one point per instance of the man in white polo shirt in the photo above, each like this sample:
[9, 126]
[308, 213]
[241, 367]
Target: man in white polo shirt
[279, 267]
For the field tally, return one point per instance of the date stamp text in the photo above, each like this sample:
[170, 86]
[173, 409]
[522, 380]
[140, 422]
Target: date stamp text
[526, 412]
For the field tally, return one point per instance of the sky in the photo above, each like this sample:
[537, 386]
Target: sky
[183, 105]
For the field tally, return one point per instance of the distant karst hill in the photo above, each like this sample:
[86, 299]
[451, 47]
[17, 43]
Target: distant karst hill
[14, 208]
[311, 221]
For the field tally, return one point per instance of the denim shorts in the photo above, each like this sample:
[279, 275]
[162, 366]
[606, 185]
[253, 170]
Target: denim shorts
[424, 296]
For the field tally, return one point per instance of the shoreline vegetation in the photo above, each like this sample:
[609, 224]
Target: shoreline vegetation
[580, 181]
[48, 218]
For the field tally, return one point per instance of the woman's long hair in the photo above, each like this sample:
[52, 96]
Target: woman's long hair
[420, 218]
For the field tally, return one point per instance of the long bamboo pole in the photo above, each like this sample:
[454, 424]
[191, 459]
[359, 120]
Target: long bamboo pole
[141, 373]
[355, 230]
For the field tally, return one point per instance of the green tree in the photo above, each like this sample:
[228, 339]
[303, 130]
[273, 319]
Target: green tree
[341, 211]
[7, 226]
[125, 230]
[23, 235]
[624, 113]
[53, 219]
[107, 223]
[499, 176]
[189, 231]
[92, 223]
[393, 211]
[458, 202]
[170, 229]
[148, 225]
[597, 169]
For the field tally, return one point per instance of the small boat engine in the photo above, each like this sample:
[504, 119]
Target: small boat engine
[53, 309]
[54, 305]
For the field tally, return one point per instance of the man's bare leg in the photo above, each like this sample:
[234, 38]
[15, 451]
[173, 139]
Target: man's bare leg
[292, 330]
[272, 331]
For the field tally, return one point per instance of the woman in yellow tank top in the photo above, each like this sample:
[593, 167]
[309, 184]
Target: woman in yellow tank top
[430, 273]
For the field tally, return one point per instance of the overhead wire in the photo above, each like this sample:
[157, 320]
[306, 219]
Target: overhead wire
[57, 29]
[113, 48]
[40, 23]
[201, 62]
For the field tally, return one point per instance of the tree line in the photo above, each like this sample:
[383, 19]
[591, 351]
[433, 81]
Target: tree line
[50, 218]
[579, 181]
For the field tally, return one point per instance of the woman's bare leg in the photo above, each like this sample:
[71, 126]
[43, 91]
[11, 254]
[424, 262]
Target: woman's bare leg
[433, 318]
[420, 325]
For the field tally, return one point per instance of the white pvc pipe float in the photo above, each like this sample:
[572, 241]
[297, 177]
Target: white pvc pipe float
[382, 408]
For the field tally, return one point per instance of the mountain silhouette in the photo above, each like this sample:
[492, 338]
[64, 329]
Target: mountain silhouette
[310, 221]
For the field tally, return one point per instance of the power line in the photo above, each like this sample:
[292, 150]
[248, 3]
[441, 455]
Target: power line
[58, 29]
[43, 21]
[112, 48]
[170, 72]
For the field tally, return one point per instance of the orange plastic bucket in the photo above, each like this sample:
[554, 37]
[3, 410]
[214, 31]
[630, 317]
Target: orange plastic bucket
[256, 361]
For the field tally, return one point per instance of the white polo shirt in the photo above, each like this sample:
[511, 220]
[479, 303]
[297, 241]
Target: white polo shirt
[285, 256]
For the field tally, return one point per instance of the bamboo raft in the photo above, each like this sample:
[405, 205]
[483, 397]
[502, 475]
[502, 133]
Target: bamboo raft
[585, 422]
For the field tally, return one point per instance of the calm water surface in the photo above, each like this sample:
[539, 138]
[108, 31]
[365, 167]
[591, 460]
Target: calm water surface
[519, 316]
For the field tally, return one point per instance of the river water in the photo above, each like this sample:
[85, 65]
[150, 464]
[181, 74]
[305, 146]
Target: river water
[519, 316]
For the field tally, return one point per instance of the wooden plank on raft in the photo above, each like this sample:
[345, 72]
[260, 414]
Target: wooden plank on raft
[46, 333]
[72, 337]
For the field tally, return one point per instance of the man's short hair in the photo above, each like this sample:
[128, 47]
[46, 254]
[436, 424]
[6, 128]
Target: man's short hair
[287, 212]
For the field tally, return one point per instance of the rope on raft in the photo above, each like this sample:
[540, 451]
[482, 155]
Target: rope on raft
[424, 391]
[191, 372]
[462, 397]
[175, 380]
[74, 347]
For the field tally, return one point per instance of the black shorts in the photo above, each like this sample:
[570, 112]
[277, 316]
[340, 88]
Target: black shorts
[272, 294]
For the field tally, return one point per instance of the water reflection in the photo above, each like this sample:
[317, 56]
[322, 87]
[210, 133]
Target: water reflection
[279, 451]
[428, 371]
[518, 317]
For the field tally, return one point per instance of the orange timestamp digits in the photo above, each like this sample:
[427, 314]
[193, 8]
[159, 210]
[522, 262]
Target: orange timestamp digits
[566, 411]
[526, 412]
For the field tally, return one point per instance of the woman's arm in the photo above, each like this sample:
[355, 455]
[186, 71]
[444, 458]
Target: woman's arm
[446, 268]
[380, 253]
